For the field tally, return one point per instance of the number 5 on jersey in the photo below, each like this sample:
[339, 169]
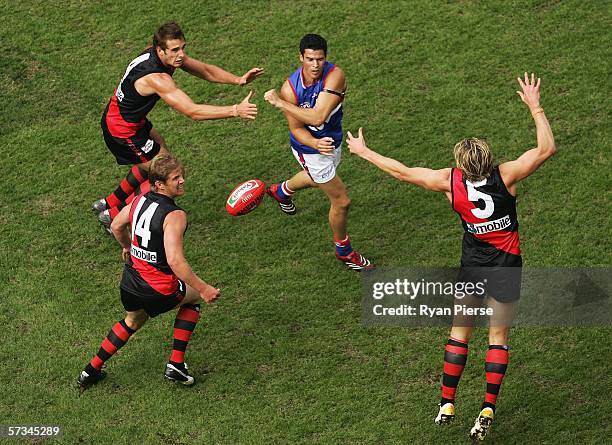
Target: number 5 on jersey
[475, 196]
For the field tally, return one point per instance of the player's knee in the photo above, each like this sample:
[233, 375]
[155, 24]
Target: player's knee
[498, 335]
[135, 322]
[343, 203]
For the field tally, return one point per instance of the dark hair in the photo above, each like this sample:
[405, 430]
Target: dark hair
[167, 31]
[313, 41]
[161, 166]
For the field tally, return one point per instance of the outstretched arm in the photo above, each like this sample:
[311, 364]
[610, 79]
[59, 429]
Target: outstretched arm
[166, 88]
[435, 180]
[326, 102]
[514, 171]
[213, 73]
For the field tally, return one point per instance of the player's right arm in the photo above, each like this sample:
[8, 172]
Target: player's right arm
[163, 85]
[174, 229]
[435, 180]
[121, 230]
[324, 145]
[514, 171]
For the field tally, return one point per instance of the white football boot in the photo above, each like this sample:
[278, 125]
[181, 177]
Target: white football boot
[446, 414]
[482, 425]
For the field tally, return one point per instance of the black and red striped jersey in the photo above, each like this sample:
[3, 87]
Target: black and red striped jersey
[147, 271]
[126, 111]
[488, 214]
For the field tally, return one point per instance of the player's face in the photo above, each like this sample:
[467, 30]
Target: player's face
[312, 63]
[174, 54]
[175, 184]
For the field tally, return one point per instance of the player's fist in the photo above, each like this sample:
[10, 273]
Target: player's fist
[209, 293]
[325, 146]
[271, 97]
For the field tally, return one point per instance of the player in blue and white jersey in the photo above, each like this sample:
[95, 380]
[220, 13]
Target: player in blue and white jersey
[312, 100]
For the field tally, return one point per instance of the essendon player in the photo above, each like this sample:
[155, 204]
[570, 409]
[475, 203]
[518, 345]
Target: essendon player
[128, 133]
[157, 278]
[484, 196]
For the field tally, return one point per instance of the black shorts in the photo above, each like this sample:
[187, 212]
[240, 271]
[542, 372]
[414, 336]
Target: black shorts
[136, 149]
[153, 304]
[499, 282]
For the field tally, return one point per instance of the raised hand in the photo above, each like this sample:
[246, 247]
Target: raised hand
[530, 93]
[357, 144]
[245, 109]
[250, 76]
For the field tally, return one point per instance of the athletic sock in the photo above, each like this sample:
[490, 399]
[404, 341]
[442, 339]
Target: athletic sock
[496, 364]
[143, 188]
[134, 178]
[283, 191]
[343, 247]
[186, 319]
[455, 357]
[117, 337]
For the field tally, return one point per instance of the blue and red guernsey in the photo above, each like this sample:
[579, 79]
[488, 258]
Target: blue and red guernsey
[306, 97]
[126, 111]
[147, 272]
[488, 214]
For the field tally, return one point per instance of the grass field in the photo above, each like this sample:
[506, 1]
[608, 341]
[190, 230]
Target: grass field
[282, 357]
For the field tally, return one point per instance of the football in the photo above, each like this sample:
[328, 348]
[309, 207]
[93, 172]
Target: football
[245, 197]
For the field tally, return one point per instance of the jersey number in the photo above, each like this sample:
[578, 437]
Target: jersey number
[143, 224]
[475, 196]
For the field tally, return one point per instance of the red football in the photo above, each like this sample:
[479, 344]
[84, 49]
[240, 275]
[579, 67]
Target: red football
[245, 197]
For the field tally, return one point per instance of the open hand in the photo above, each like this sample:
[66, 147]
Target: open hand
[530, 93]
[245, 109]
[357, 144]
[250, 76]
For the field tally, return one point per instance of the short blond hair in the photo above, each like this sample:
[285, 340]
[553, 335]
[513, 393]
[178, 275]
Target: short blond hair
[161, 167]
[474, 158]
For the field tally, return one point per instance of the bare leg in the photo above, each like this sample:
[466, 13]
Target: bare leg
[300, 181]
[339, 206]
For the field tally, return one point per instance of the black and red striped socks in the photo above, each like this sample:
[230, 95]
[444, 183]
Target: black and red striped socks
[455, 357]
[135, 177]
[184, 324]
[118, 336]
[496, 364]
[145, 187]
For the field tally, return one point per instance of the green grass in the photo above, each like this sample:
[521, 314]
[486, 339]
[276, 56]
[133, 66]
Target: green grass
[282, 358]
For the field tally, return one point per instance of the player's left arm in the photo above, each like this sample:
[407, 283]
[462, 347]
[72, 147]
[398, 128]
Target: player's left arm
[121, 230]
[435, 180]
[526, 164]
[215, 74]
[326, 101]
